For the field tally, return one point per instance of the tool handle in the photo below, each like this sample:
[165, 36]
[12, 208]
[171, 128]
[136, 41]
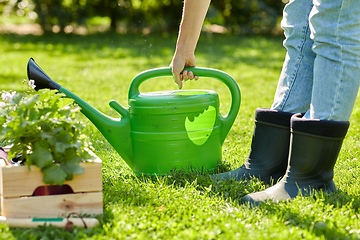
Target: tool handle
[228, 120]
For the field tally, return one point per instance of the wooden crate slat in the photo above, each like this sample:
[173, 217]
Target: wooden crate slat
[19, 181]
[52, 206]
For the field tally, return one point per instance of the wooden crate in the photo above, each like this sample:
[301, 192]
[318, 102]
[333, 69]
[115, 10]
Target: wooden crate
[18, 184]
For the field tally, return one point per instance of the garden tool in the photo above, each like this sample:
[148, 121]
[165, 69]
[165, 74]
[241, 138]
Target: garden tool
[314, 148]
[164, 130]
[269, 150]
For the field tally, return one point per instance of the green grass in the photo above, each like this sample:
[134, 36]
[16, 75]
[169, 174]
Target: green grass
[183, 205]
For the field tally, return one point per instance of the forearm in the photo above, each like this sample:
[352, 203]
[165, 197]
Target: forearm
[194, 13]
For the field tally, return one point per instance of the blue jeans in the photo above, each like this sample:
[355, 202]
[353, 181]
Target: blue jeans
[321, 72]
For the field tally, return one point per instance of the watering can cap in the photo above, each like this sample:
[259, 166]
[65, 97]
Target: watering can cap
[174, 98]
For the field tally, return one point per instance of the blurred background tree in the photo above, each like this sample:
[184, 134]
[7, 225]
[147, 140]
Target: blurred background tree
[61, 13]
[247, 16]
[20, 8]
[237, 16]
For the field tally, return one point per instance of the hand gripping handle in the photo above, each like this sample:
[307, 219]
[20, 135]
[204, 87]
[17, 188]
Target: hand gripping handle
[227, 120]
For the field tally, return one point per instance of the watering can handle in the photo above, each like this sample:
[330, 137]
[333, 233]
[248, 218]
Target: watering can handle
[227, 120]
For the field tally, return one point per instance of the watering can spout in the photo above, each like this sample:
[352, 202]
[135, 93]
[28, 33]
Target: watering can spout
[116, 131]
[39, 76]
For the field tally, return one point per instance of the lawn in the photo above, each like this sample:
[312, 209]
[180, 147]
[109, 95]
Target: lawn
[182, 205]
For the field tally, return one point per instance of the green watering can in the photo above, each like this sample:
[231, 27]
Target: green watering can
[165, 130]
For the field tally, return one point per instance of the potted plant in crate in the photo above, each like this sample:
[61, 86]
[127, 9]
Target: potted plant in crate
[42, 127]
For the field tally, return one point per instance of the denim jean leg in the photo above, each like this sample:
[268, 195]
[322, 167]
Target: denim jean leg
[335, 29]
[293, 93]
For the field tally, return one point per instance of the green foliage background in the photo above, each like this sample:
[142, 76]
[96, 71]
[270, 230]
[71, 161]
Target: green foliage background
[238, 16]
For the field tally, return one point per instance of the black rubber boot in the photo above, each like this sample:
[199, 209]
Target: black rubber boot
[268, 155]
[314, 148]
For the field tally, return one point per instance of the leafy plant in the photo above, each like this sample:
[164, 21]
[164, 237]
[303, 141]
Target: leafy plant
[42, 126]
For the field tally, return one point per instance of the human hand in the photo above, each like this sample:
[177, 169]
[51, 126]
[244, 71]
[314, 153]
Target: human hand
[177, 65]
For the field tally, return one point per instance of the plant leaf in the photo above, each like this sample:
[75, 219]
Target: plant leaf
[72, 156]
[71, 168]
[50, 136]
[41, 155]
[53, 174]
[33, 114]
[31, 101]
[16, 99]
[63, 136]
[61, 147]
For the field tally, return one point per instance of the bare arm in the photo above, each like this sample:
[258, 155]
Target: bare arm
[194, 13]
